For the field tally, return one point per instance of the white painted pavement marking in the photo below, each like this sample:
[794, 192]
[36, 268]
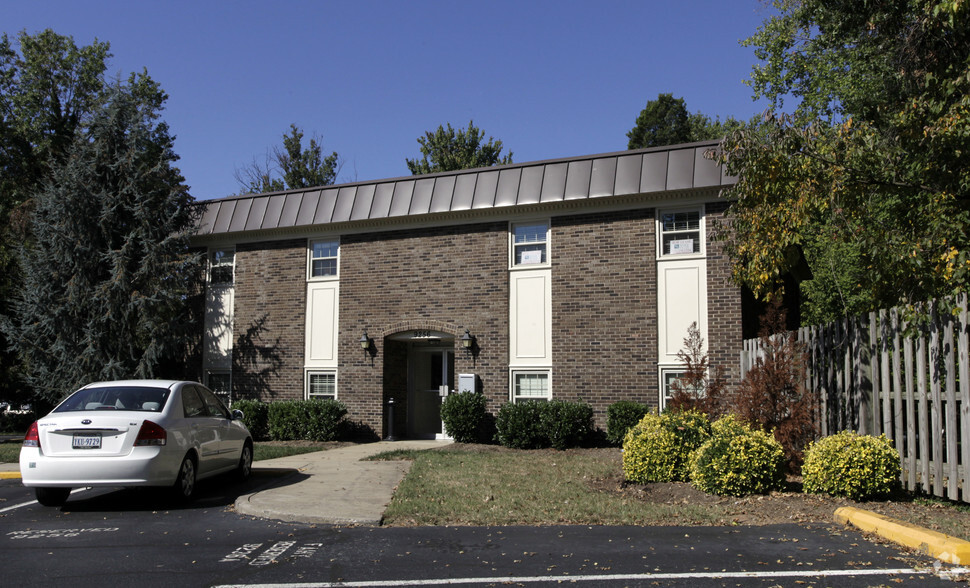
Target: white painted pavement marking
[43, 533]
[23, 504]
[603, 578]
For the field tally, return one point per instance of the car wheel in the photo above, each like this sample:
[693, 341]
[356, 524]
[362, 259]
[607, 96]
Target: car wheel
[184, 486]
[245, 466]
[52, 496]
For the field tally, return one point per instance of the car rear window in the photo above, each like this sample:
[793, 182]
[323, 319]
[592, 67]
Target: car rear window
[140, 398]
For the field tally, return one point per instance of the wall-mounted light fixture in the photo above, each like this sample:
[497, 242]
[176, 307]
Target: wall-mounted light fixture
[467, 341]
[365, 342]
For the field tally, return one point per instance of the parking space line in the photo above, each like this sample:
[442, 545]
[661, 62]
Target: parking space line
[23, 504]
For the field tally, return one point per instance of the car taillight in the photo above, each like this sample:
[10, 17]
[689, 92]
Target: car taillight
[150, 434]
[32, 438]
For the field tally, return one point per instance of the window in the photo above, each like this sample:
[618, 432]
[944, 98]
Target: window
[529, 243]
[213, 404]
[221, 267]
[680, 232]
[323, 258]
[530, 386]
[220, 383]
[667, 379]
[321, 385]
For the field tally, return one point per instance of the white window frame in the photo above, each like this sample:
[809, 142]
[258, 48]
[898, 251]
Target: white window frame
[514, 398]
[513, 246]
[306, 385]
[701, 233]
[213, 264]
[666, 389]
[311, 259]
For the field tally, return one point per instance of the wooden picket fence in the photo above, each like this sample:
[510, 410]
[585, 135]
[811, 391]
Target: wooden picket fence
[910, 380]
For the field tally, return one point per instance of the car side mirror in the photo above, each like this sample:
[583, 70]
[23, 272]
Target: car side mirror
[237, 415]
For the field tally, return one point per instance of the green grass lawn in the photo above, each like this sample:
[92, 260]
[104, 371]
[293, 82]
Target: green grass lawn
[522, 488]
[9, 452]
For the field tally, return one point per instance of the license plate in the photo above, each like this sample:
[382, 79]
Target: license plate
[86, 442]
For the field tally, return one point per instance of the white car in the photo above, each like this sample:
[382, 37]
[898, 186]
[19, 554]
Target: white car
[134, 433]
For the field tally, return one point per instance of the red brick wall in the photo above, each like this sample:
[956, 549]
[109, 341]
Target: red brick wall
[269, 320]
[435, 278]
[723, 301]
[604, 309]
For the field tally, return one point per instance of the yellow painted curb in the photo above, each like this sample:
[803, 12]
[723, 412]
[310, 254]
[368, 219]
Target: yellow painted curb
[9, 475]
[943, 547]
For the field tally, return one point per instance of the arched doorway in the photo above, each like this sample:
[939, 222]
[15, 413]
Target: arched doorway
[430, 361]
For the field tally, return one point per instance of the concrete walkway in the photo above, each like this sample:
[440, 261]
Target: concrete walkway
[330, 487]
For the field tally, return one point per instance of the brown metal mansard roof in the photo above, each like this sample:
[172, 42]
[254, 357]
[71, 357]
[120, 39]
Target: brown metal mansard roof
[677, 167]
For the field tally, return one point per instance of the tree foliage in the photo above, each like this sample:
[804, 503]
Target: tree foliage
[105, 281]
[870, 164]
[449, 150]
[666, 121]
[290, 167]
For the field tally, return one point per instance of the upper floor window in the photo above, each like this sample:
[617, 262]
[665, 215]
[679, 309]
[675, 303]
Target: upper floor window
[323, 258]
[221, 262]
[680, 232]
[530, 243]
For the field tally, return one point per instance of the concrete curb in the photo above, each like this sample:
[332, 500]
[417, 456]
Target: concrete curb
[943, 547]
[9, 475]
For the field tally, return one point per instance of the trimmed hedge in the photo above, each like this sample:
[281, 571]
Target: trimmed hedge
[621, 416]
[255, 417]
[851, 465]
[535, 425]
[309, 420]
[464, 416]
[738, 460]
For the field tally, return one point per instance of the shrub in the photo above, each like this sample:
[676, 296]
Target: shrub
[696, 388]
[850, 465]
[738, 460]
[310, 420]
[565, 424]
[16, 422]
[517, 425]
[772, 395]
[255, 414]
[464, 416]
[659, 447]
[622, 416]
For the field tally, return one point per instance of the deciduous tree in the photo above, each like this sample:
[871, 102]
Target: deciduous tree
[448, 150]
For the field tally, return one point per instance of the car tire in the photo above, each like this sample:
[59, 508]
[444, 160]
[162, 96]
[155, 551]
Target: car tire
[52, 496]
[245, 467]
[184, 487]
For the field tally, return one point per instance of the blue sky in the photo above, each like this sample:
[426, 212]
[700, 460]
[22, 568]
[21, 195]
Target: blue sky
[549, 78]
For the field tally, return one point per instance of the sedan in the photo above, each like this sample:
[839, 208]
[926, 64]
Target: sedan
[134, 433]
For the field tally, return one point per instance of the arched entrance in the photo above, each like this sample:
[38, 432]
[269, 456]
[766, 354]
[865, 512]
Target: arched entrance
[428, 356]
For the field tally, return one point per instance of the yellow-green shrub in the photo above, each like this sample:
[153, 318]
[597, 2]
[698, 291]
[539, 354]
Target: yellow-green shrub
[851, 465]
[658, 448]
[737, 460]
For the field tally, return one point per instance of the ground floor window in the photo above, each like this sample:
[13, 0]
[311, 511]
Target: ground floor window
[220, 382]
[667, 379]
[321, 385]
[531, 385]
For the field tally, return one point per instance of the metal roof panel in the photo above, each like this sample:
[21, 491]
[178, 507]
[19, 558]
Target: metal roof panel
[508, 187]
[653, 174]
[444, 189]
[530, 188]
[274, 209]
[363, 201]
[308, 208]
[207, 220]
[224, 217]
[240, 215]
[680, 169]
[485, 190]
[382, 201]
[324, 211]
[602, 178]
[421, 200]
[344, 205]
[401, 200]
[553, 183]
[628, 174]
[464, 192]
[577, 179]
[256, 214]
[706, 171]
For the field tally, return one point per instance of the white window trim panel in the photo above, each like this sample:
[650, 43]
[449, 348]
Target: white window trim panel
[669, 343]
[702, 233]
[321, 346]
[309, 260]
[306, 383]
[547, 371]
[532, 313]
[530, 266]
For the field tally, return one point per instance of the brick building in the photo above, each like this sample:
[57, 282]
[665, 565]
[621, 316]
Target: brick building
[570, 279]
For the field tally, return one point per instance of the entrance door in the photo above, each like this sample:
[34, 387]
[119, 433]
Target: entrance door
[431, 370]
